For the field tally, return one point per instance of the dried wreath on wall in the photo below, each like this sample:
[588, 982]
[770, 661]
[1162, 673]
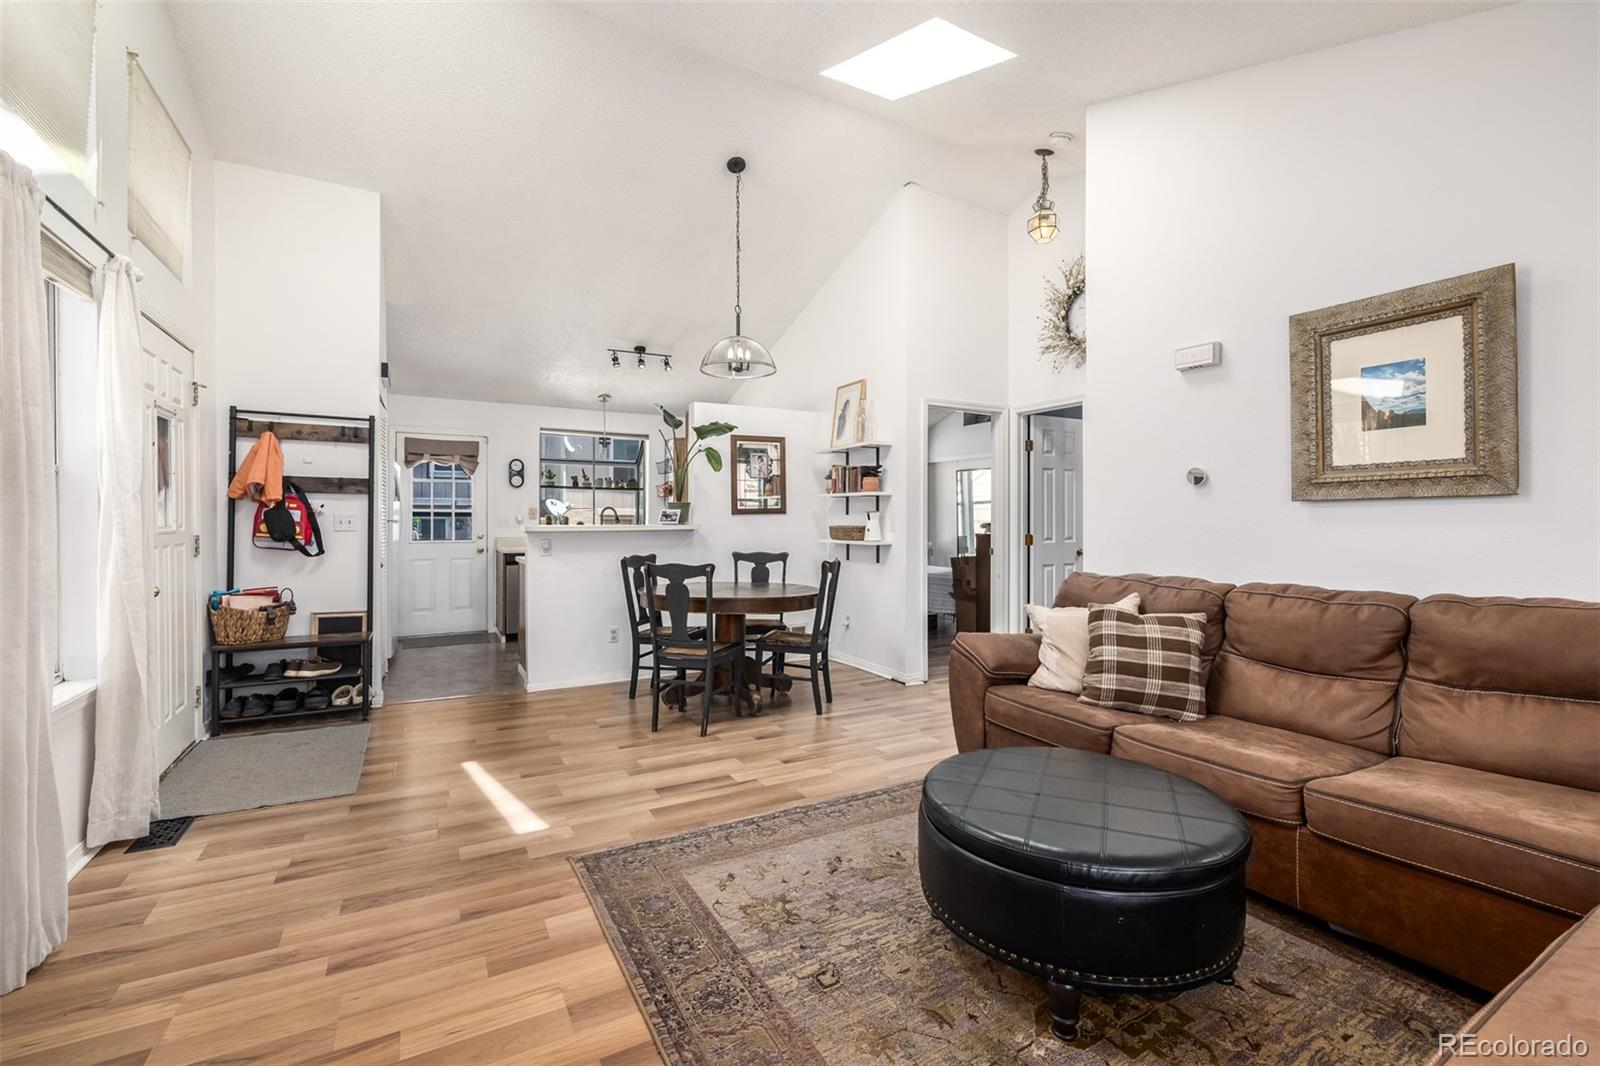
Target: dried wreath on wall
[1059, 341]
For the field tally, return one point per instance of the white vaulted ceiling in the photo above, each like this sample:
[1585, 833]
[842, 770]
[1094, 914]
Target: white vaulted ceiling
[552, 176]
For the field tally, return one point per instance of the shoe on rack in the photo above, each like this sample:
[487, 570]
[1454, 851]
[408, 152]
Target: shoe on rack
[317, 700]
[358, 694]
[275, 670]
[343, 696]
[286, 701]
[232, 710]
[317, 668]
[256, 705]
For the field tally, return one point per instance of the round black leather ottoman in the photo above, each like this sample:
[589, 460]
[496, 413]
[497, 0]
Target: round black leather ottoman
[1089, 871]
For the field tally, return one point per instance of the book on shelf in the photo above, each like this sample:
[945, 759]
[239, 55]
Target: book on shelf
[845, 478]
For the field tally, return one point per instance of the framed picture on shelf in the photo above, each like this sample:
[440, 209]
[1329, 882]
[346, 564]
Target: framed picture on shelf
[1412, 393]
[668, 517]
[331, 623]
[849, 424]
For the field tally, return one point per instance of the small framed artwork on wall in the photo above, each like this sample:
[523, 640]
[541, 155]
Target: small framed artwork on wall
[1412, 393]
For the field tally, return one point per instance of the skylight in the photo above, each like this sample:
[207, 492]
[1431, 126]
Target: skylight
[920, 58]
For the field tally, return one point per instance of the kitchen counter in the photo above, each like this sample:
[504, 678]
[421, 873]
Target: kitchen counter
[575, 619]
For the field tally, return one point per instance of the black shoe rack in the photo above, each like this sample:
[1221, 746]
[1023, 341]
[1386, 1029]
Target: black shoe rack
[354, 650]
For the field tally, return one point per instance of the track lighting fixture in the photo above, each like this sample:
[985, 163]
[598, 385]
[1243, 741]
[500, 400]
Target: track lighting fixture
[641, 355]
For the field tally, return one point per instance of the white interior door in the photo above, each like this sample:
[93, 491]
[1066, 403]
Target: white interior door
[443, 562]
[173, 566]
[1055, 503]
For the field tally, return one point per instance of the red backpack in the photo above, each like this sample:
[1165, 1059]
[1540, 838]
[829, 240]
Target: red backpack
[291, 523]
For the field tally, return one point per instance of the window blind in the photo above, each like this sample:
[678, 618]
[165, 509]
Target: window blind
[46, 71]
[63, 265]
[158, 173]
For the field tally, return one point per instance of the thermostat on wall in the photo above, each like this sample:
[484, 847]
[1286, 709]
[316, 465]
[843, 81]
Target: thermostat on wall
[1198, 355]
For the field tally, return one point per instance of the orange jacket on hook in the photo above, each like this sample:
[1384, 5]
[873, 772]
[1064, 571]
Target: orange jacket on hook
[260, 476]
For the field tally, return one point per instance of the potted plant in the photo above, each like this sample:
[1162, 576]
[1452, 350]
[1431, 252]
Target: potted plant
[547, 476]
[680, 470]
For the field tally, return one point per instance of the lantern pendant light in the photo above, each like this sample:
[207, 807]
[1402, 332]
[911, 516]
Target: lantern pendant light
[737, 356]
[1042, 225]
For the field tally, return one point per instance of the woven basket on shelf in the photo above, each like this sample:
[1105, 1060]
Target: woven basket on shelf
[847, 532]
[229, 625]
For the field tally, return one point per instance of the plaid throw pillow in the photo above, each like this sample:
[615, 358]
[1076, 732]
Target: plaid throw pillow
[1146, 663]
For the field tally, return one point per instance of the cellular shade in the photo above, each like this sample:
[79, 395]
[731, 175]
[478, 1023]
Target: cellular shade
[46, 69]
[158, 173]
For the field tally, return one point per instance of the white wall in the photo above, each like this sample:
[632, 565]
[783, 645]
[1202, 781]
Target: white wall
[857, 326]
[1324, 178]
[299, 328]
[1028, 265]
[185, 305]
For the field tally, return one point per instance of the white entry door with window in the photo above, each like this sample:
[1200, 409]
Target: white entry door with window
[174, 564]
[1055, 503]
[443, 562]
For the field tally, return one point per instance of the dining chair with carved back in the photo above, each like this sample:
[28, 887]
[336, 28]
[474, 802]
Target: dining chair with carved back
[680, 647]
[761, 564]
[642, 616]
[781, 643]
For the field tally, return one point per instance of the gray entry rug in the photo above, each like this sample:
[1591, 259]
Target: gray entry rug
[225, 774]
[802, 937]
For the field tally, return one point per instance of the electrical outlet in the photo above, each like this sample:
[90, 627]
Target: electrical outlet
[344, 522]
[616, 634]
[544, 546]
[847, 621]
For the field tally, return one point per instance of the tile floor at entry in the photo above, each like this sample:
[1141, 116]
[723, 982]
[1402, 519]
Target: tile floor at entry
[464, 664]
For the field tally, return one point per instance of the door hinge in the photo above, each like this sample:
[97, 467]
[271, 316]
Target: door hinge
[194, 394]
[197, 545]
[1027, 540]
[197, 695]
[1029, 446]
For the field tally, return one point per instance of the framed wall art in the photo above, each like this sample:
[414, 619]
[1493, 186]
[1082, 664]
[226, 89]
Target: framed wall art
[849, 424]
[1412, 393]
[757, 473]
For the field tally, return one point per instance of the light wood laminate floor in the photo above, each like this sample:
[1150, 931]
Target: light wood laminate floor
[417, 921]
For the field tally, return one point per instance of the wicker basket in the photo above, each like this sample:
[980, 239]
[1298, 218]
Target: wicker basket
[847, 532]
[229, 625]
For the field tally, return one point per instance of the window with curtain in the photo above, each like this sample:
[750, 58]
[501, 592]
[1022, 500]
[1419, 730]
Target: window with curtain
[158, 173]
[974, 509]
[47, 73]
[70, 322]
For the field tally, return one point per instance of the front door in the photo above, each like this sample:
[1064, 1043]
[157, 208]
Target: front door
[174, 564]
[443, 566]
[1055, 503]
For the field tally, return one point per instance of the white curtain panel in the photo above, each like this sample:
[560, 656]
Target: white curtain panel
[33, 865]
[124, 791]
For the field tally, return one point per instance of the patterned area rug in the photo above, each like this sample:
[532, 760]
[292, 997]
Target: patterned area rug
[802, 937]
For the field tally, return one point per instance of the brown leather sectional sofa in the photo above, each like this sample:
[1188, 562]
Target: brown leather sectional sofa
[1422, 773]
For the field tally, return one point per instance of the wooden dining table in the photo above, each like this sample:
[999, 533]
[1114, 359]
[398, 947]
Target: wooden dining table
[733, 601]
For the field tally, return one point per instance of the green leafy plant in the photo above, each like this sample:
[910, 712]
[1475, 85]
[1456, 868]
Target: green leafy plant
[702, 433]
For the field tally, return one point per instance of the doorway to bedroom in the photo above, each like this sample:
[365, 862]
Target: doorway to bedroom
[962, 510]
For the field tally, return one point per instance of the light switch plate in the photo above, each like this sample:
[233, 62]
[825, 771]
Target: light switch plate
[344, 522]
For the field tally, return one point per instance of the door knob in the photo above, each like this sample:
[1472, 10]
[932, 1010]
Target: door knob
[155, 591]
[480, 549]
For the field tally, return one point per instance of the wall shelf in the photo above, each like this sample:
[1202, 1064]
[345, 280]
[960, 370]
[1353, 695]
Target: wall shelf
[848, 448]
[852, 495]
[875, 545]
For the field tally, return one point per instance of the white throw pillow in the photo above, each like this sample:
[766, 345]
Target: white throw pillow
[1064, 649]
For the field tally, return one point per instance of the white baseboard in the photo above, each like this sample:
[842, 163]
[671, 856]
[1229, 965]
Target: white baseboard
[873, 668]
[575, 682]
[78, 858]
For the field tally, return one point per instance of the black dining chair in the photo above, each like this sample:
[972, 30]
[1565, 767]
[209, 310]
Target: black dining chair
[679, 647]
[814, 645]
[761, 564]
[641, 615]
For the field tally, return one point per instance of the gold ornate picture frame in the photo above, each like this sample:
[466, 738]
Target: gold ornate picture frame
[1412, 393]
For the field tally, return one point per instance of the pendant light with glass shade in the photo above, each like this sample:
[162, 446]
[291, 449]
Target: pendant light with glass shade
[737, 356]
[1042, 225]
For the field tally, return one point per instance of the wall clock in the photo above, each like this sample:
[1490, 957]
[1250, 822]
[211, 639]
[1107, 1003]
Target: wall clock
[516, 473]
